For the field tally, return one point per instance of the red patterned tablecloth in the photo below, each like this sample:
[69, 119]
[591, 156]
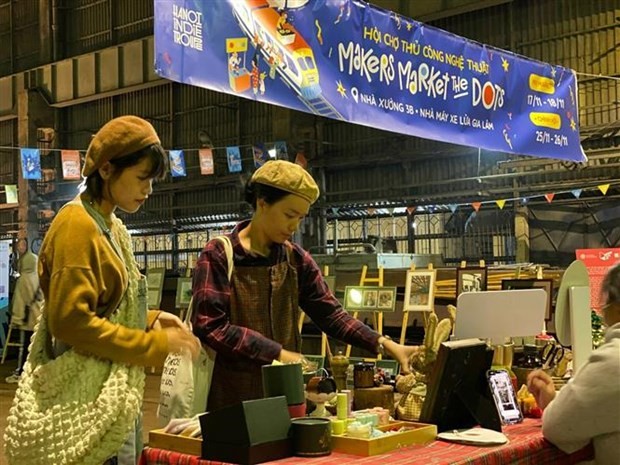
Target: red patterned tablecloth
[526, 446]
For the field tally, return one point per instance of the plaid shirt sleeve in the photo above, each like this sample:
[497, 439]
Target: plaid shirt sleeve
[320, 304]
[211, 322]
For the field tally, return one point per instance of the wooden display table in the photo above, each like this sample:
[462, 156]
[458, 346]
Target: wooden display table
[526, 446]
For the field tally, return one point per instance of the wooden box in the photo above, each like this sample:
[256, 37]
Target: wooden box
[415, 433]
[174, 442]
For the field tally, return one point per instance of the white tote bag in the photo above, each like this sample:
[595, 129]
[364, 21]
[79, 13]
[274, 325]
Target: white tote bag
[185, 383]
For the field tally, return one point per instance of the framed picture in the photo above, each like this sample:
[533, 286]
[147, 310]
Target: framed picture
[155, 278]
[153, 298]
[420, 290]
[391, 367]
[184, 292]
[386, 300]
[471, 280]
[546, 284]
[370, 299]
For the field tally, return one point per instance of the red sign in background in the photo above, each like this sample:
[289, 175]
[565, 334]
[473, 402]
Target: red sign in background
[598, 261]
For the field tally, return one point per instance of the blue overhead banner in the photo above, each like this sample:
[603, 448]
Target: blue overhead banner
[348, 60]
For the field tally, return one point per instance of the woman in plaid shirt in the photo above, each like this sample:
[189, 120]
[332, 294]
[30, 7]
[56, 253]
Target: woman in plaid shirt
[251, 320]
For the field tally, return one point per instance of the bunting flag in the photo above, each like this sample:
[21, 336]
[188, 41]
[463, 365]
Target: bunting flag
[334, 211]
[233, 157]
[206, 161]
[576, 193]
[11, 193]
[177, 163]
[260, 155]
[603, 188]
[71, 170]
[410, 210]
[476, 205]
[281, 151]
[300, 159]
[453, 207]
[500, 204]
[31, 163]
[372, 211]
[549, 197]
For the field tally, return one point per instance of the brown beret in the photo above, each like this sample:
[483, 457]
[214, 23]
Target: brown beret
[288, 177]
[117, 138]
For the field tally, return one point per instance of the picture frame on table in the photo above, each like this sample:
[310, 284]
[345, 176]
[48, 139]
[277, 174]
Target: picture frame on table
[370, 299]
[420, 290]
[471, 279]
[546, 284]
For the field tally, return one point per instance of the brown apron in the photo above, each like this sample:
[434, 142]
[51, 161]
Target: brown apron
[264, 299]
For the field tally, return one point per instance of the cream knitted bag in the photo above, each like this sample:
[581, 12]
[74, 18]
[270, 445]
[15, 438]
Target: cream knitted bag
[76, 409]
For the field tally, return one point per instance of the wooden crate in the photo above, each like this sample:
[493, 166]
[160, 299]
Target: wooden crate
[174, 442]
[415, 433]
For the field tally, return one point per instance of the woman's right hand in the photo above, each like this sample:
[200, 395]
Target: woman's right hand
[181, 339]
[287, 356]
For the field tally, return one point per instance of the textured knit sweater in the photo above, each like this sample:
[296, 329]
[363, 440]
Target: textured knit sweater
[587, 409]
[83, 280]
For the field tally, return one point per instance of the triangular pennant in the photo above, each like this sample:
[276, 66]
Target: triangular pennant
[577, 192]
[603, 188]
[334, 211]
[476, 205]
[549, 197]
[410, 210]
[177, 163]
[453, 207]
[372, 211]
[501, 203]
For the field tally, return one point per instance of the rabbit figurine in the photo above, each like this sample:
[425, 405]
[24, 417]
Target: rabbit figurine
[413, 385]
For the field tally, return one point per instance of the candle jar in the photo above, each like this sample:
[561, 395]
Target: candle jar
[364, 375]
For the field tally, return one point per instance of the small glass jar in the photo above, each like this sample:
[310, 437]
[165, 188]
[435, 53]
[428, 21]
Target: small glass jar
[364, 375]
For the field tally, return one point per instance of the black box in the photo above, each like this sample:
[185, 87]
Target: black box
[250, 432]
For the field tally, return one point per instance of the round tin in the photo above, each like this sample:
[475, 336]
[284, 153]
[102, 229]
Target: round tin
[311, 436]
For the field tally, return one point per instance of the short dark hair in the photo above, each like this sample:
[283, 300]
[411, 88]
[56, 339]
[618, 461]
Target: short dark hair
[159, 167]
[255, 190]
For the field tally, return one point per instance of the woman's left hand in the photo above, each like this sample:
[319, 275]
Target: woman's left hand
[168, 320]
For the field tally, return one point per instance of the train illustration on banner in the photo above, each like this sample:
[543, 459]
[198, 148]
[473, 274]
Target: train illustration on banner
[283, 47]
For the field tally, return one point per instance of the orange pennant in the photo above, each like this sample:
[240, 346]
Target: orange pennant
[410, 210]
[500, 204]
[476, 205]
[603, 188]
[549, 197]
[371, 211]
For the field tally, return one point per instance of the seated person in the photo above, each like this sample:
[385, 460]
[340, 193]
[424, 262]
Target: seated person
[587, 409]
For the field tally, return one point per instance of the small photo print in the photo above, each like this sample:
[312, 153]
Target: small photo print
[370, 299]
[386, 299]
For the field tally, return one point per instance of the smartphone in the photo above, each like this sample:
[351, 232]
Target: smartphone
[504, 396]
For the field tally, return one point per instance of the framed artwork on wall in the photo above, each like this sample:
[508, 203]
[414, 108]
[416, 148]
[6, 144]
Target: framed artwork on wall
[420, 290]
